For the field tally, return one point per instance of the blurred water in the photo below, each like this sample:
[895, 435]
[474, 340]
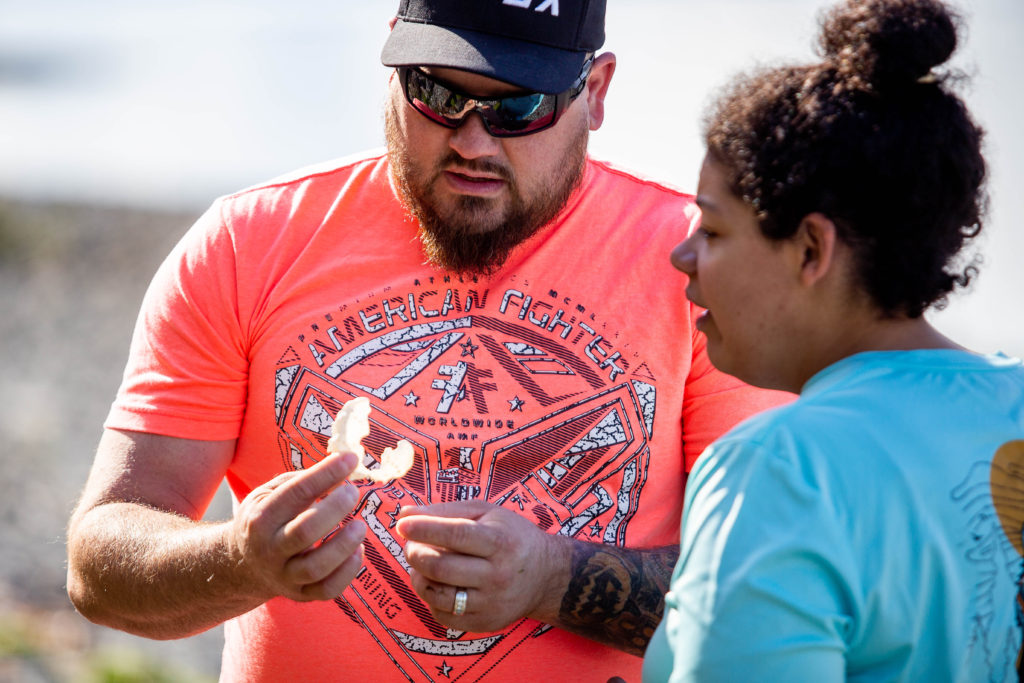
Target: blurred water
[171, 103]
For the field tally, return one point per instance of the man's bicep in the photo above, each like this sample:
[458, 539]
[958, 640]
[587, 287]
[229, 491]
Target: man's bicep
[164, 472]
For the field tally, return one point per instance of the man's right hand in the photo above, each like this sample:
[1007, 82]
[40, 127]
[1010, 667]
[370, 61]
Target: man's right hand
[286, 532]
[141, 559]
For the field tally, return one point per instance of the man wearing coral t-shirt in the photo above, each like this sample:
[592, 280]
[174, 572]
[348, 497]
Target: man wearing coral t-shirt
[506, 304]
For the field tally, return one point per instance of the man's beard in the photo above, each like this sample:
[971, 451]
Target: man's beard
[468, 237]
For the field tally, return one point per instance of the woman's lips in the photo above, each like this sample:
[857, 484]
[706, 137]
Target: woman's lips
[703, 320]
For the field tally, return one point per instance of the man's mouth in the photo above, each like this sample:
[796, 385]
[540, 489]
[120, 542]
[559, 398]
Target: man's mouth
[472, 182]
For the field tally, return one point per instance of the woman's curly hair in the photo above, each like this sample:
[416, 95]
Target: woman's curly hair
[871, 138]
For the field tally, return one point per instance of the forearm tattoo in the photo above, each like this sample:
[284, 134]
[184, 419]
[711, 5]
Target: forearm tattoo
[617, 596]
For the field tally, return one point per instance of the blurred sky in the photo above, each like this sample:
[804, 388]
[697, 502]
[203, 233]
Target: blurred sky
[169, 104]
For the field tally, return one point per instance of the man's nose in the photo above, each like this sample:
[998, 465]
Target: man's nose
[471, 140]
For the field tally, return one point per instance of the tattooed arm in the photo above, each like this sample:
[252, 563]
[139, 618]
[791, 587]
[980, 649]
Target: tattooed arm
[510, 569]
[616, 596]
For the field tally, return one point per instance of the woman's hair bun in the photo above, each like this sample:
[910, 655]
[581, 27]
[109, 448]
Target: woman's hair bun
[888, 42]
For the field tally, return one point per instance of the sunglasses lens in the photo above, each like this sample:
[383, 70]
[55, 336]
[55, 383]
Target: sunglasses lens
[503, 117]
[432, 99]
[520, 115]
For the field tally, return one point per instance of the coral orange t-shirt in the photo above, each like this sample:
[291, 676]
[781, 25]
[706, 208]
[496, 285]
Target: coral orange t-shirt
[570, 387]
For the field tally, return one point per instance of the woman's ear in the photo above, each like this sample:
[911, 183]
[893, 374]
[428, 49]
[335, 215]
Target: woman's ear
[817, 240]
[597, 87]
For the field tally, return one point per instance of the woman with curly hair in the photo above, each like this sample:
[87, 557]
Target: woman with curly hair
[872, 529]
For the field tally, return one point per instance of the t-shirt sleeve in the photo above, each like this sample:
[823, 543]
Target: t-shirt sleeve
[187, 370]
[715, 402]
[761, 590]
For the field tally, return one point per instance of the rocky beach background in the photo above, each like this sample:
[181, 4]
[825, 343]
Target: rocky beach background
[72, 277]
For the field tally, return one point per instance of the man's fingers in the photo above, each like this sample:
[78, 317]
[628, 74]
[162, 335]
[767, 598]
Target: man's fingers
[318, 564]
[442, 566]
[440, 597]
[336, 582]
[300, 491]
[468, 509]
[317, 521]
[460, 535]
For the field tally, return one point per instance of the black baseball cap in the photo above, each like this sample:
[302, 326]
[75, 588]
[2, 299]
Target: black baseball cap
[539, 45]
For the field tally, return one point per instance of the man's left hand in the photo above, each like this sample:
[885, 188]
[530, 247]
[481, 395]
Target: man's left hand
[508, 568]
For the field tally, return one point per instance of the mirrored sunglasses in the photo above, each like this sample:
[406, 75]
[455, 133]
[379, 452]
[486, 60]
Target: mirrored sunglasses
[503, 117]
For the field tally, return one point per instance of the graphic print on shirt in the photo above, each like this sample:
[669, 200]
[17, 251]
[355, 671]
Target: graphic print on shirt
[1007, 482]
[997, 550]
[519, 398]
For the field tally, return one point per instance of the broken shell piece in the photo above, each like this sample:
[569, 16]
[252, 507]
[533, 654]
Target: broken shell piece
[350, 426]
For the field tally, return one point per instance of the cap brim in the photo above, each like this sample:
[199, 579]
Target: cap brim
[537, 67]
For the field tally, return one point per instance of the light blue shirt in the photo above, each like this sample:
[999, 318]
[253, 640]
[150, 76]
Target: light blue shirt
[869, 531]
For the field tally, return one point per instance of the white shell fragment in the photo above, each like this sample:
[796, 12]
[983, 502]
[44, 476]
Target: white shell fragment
[350, 426]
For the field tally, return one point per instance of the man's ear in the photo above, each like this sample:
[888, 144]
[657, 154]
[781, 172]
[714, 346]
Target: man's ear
[818, 243]
[597, 87]
[392, 22]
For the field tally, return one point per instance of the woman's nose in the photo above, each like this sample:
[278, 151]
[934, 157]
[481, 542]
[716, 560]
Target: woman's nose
[683, 257]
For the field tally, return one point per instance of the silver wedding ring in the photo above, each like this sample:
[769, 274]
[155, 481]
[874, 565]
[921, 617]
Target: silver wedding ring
[460, 602]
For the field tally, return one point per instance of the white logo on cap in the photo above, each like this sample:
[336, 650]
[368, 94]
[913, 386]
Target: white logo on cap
[525, 4]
